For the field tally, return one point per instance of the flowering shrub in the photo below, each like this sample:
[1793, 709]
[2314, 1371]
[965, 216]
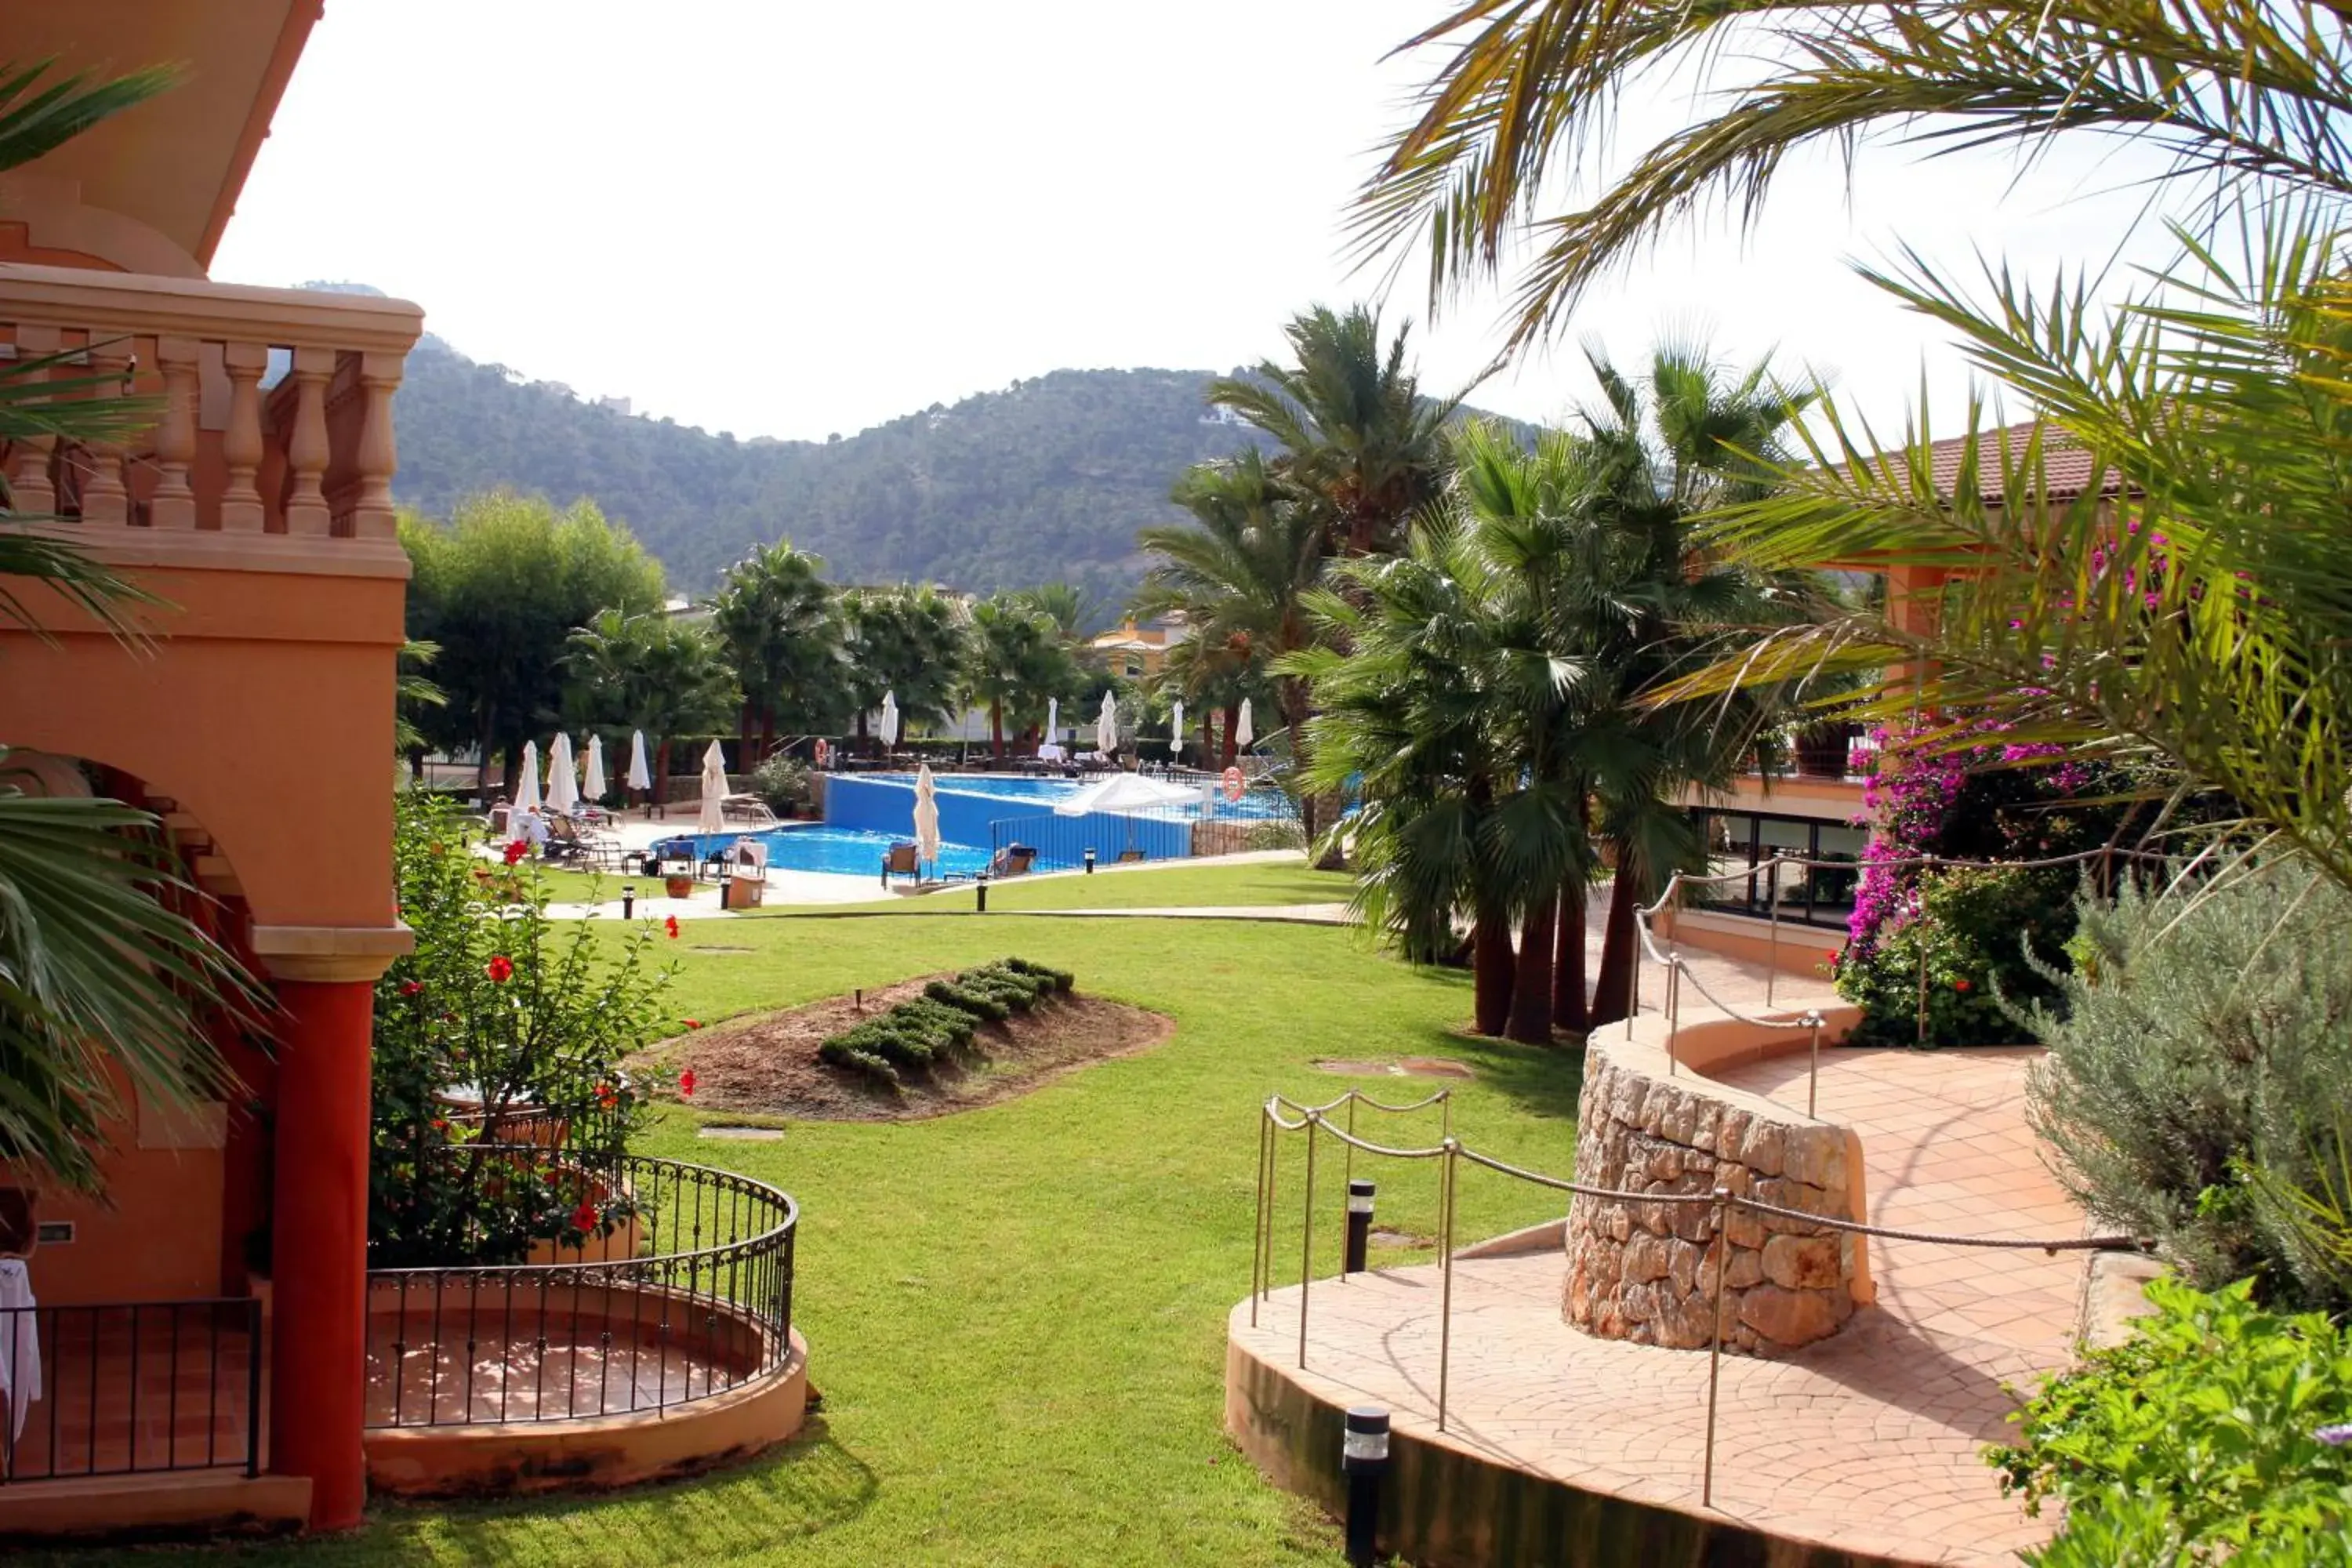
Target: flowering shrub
[1978, 933]
[2216, 1434]
[527, 1022]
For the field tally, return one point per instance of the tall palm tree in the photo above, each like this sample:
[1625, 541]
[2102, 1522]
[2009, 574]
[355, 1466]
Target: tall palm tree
[1015, 661]
[651, 672]
[775, 616]
[1359, 440]
[2246, 98]
[907, 642]
[1241, 571]
[109, 968]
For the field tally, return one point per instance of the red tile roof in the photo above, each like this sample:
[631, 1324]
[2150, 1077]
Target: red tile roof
[2065, 464]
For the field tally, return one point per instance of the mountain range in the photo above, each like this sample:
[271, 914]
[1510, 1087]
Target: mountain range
[1047, 481]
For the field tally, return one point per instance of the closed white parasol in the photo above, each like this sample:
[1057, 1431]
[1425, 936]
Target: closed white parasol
[1106, 724]
[563, 784]
[1243, 733]
[889, 720]
[926, 818]
[712, 817]
[596, 787]
[1176, 726]
[1053, 719]
[527, 792]
[640, 775]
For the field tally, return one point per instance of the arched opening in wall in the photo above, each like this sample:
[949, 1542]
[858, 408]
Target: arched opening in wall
[130, 1317]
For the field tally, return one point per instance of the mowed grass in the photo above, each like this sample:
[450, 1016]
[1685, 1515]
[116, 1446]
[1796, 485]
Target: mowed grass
[1017, 1314]
[1178, 885]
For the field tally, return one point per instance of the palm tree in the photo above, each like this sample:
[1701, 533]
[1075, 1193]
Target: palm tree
[2247, 99]
[652, 672]
[775, 617]
[109, 971]
[1240, 573]
[1066, 604]
[1360, 441]
[1014, 662]
[907, 642]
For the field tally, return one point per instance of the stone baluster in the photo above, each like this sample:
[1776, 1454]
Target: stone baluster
[372, 516]
[174, 504]
[305, 447]
[240, 510]
[104, 497]
[31, 490]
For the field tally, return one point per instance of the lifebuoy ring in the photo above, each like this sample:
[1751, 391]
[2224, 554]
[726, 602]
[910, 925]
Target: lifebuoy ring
[1235, 788]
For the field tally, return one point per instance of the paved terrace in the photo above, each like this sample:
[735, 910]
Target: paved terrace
[1868, 1441]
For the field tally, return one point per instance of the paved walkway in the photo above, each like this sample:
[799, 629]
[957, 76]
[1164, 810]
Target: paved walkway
[1867, 1441]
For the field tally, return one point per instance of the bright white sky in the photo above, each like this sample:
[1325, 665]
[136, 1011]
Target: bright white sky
[782, 219]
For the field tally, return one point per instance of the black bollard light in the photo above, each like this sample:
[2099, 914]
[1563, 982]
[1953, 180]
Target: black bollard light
[1364, 1460]
[628, 901]
[1090, 861]
[980, 883]
[1360, 1227]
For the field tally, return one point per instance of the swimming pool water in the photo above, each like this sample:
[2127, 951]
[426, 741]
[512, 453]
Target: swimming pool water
[841, 851]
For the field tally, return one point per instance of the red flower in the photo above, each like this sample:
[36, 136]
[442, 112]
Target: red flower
[686, 1078]
[500, 969]
[605, 1098]
[691, 1022]
[440, 1124]
[669, 924]
[1959, 986]
[411, 987]
[584, 1217]
[517, 850]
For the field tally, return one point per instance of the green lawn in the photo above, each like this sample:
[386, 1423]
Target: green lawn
[1180, 885]
[1017, 1314]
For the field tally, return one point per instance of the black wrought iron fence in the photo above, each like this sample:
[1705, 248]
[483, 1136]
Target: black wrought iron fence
[130, 1387]
[678, 1289]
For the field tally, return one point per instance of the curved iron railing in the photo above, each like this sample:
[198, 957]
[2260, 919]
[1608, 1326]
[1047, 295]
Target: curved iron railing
[683, 1290]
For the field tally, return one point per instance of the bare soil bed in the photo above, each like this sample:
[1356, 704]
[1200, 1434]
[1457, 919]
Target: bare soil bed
[767, 1064]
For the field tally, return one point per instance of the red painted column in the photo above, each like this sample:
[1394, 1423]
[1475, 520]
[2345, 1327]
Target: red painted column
[318, 1243]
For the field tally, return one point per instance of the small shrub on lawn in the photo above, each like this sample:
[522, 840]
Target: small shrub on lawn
[2198, 1059]
[2214, 1435]
[942, 1021]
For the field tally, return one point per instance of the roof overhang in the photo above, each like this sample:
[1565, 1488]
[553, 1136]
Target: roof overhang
[178, 161]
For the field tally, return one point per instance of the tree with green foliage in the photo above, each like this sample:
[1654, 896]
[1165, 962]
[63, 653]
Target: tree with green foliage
[775, 617]
[1016, 660]
[908, 642]
[109, 971]
[1359, 442]
[652, 672]
[501, 587]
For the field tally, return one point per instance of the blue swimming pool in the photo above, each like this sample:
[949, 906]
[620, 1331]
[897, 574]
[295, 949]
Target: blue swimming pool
[841, 851]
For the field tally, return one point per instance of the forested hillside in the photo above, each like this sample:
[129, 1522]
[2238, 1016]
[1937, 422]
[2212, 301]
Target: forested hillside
[1047, 480]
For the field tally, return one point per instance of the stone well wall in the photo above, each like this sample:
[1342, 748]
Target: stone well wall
[1645, 1271]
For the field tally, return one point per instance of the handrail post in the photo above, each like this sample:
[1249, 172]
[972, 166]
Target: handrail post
[1674, 1008]
[1633, 996]
[1348, 1171]
[1307, 1237]
[1919, 909]
[1257, 1221]
[1814, 1078]
[1772, 907]
[1446, 1176]
[1714, 1354]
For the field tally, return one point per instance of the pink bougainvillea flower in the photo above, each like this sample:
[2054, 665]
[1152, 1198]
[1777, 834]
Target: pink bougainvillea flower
[517, 850]
[584, 1217]
[686, 1078]
[669, 924]
[500, 968]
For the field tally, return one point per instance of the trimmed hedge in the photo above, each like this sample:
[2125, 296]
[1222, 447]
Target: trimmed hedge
[942, 1021]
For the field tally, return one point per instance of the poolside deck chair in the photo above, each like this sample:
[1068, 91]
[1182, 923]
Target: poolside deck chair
[900, 860]
[1129, 854]
[747, 808]
[1012, 861]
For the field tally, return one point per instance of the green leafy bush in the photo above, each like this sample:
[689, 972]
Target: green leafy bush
[942, 1023]
[1979, 932]
[2214, 1434]
[533, 1017]
[2199, 1055]
[785, 783]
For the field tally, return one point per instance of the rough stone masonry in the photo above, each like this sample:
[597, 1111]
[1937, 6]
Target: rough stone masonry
[1645, 1271]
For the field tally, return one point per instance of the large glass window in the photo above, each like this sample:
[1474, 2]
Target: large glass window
[1820, 895]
